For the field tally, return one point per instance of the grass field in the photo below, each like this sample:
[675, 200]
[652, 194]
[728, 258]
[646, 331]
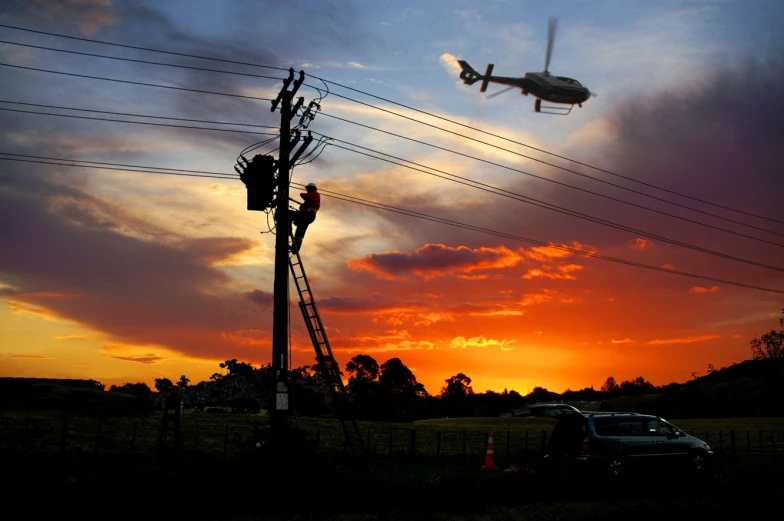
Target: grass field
[225, 435]
[104, 457]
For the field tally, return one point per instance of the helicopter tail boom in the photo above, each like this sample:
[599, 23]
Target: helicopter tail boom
[468, 74]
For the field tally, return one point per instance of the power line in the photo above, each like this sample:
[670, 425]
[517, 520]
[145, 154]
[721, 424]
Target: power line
[134, 82]
[571, 186]
[365, 202]
[559, 209]
[375, 151]
[136, 115]
[138, 48]
[113, 120]
[137, 122]
[146, 62]
[497, 191]
[327, 82]
[538, 150]
[95, 55]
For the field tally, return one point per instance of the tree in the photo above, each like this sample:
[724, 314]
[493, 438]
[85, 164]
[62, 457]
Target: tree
[183, 382]
[457, 387]
[398, 380]
[610, 386]
[769, 346]
[362, 367]
[163, 385]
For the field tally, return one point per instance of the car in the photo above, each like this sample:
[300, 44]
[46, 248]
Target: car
[616, 443]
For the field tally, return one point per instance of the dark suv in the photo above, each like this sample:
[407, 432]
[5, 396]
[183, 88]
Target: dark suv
[614, 443]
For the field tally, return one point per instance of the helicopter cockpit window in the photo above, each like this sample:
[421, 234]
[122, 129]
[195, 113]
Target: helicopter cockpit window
[570, 81]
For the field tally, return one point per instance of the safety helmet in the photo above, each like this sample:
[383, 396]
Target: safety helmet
[311, 185]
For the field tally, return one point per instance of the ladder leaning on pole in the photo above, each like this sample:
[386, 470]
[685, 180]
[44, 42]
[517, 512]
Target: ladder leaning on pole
[329, 366]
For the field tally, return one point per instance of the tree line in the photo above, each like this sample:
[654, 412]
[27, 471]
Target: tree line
[388, 391]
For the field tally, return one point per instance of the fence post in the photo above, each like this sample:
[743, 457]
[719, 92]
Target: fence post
[226, 443]
[761, 444]
[525, 447]
[544, 441]
[369, 437]
[133, 435]
[773, 442]
[63, 437]
[721, 442]
[438, 445]
[508, 442]
[412, 449]
[733, 446]
[318, 438]
[391, 440]
[748, 442]
[196, 438]
[465, 452]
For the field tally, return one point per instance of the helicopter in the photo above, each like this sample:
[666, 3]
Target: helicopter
[544, 86]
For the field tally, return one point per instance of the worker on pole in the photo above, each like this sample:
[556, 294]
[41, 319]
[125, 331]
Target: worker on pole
[306, 214]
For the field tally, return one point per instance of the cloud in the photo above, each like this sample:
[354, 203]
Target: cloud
[641, 243]
[624, 341]
[31, 357]
[700, 289]
[461, 342]
[69, 337]
[143, 290]
[686, 340]
[137, 354]
[436, 260]
[450, 65]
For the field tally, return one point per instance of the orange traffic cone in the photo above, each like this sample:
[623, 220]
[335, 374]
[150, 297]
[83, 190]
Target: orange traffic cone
[490, 457]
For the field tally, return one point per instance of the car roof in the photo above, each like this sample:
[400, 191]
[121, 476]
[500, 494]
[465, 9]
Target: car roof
[601, 414]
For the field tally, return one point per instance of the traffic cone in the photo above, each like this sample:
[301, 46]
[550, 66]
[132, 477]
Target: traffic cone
[490, 457]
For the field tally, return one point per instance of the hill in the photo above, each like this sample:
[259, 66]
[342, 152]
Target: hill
[753, 388]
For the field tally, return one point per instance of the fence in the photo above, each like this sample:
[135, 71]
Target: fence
[228, 437]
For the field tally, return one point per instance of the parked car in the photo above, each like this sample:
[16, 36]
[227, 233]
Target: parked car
[614, 443]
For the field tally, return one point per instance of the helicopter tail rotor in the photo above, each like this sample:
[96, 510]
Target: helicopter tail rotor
[493, 95]
[551, 27]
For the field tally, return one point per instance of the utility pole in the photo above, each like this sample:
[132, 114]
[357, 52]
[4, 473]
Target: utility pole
[280, 323]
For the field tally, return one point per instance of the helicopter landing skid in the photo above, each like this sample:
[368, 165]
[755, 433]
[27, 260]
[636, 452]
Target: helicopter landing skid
[552, 109]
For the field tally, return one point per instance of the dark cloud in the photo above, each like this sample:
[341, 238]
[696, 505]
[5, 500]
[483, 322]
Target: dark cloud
[436, 260]
[259, 297]
[138, 291]
[373, 304]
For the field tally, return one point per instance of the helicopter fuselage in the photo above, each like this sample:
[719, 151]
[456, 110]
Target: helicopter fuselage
[555, 89]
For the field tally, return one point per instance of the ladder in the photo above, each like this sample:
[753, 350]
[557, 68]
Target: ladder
[330, 369]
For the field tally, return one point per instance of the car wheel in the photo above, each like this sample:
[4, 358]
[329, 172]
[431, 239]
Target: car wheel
[698, 462]
[616, 468]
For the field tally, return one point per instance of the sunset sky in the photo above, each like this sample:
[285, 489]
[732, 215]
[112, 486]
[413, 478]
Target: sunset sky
[125, 276]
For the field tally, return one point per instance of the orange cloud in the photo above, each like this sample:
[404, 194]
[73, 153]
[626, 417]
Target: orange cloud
[640, 243]
[462, 342]
[624, 341]
[687, 340]
[253, 337]
[434, 260]
[31, 357]
[700, 289]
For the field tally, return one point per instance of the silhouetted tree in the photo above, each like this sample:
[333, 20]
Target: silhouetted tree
[183, 382]
[769, 346]
[610, 386]
[457, 387]
[164, 386]
[362, 367]
[398, 380]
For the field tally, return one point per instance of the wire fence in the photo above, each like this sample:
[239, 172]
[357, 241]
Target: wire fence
[147, 440]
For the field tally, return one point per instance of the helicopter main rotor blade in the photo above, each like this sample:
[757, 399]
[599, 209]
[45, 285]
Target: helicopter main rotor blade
[551, 26]
[493, 95]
